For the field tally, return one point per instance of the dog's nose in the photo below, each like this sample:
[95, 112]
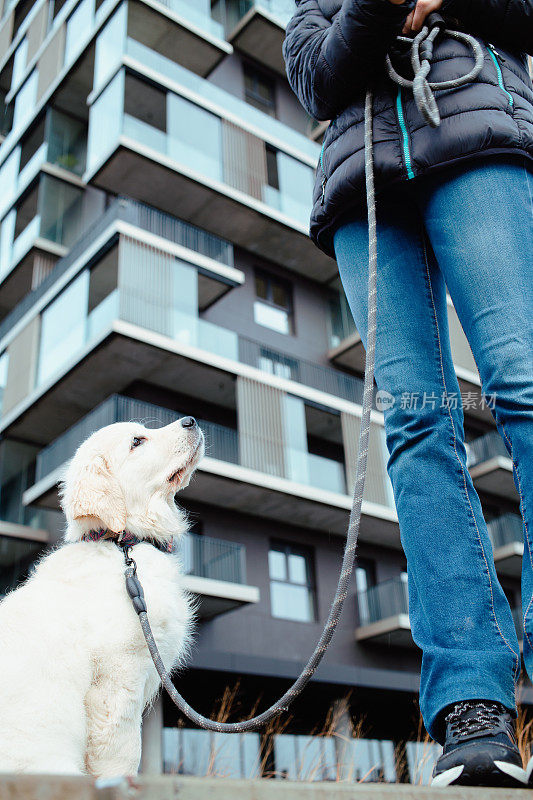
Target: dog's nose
[188, 422]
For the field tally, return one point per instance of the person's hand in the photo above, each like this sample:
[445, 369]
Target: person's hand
[416, 18]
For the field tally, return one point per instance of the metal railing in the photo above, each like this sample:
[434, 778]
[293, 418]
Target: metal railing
[485, 447]
[222, 443]
[217, 559]
[387, 599]
[505, 529]
[325, 379]
[142, 216]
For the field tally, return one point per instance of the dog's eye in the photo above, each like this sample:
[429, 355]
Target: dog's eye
[136, 441]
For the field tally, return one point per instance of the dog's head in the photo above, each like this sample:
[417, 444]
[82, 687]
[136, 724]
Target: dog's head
[124, 478]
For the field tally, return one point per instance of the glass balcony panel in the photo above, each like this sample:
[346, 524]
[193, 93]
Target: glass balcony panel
[210, 92]
[79, 25]
[194, 137]
[110, 47]
[26, 239]
[325, 473]
[63, 328]
[61, 211]
[295, 187]
[101, 318]
[19, 63]
[145, 134]
[198, 14]
[105, 121]
[33, 166]
[4, 364]
[25, 101]
[67, 142]
[9, 179]
[7, 232]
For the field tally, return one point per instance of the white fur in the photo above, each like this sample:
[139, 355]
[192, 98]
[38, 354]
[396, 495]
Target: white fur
[75, 672]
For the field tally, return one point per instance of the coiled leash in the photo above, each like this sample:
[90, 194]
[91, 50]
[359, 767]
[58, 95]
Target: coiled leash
[422, 50]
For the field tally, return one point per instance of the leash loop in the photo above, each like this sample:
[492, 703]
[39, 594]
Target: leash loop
[422, 89]
[421, 55]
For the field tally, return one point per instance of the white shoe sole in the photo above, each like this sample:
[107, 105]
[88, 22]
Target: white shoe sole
[450, 775]
[529, 768]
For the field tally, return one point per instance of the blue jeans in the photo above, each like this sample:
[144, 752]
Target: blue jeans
[470, 228]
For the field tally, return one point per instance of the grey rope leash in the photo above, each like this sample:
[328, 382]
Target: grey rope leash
[426, 102]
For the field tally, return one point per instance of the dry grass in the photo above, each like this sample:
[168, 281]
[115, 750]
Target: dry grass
[314, 762]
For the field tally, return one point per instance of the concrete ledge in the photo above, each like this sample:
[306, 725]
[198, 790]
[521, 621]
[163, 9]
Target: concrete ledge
[33, 787]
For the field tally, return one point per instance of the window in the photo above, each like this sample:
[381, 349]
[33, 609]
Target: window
[273, 307]
[292, 592]
[365, 578]
[259, 89]
[4, 360]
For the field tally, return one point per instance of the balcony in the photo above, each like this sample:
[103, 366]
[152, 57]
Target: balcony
[215, 572]
[183, 30]
[507, 537]
[490, 465]
[133, 312]
[257, 28]
[186, 146]
[214, 256]
[384, 614]
[309, 488]
[48, 217]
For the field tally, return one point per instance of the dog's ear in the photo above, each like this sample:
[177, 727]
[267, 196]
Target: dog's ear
[97, 493]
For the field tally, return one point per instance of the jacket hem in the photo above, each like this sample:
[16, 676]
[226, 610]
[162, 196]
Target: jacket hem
[324, 237]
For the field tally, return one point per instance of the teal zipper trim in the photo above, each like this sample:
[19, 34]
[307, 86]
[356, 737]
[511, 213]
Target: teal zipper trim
[405, 135]
[321, 155]
[500, 76]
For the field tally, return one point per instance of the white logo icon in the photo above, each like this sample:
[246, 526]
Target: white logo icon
[384, 400]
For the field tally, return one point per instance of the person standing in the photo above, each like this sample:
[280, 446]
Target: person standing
[455, 210]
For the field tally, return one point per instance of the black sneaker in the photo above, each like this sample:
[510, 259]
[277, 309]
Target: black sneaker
[480, 747]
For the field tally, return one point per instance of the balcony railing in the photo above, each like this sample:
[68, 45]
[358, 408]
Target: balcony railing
[211, 558]
[486, 447]
[506, 529]
[222, 443]
[387, 599]
[141, 216]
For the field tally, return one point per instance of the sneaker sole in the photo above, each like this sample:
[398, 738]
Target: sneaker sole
[504, 775]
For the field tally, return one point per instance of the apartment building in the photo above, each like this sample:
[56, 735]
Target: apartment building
[156, 174]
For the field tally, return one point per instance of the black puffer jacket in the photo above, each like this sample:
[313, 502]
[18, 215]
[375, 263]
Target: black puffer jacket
[334, 49]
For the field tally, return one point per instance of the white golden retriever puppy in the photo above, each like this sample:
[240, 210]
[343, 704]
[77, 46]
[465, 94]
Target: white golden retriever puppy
[75, 672]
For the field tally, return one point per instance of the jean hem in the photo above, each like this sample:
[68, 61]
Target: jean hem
[472, 690]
